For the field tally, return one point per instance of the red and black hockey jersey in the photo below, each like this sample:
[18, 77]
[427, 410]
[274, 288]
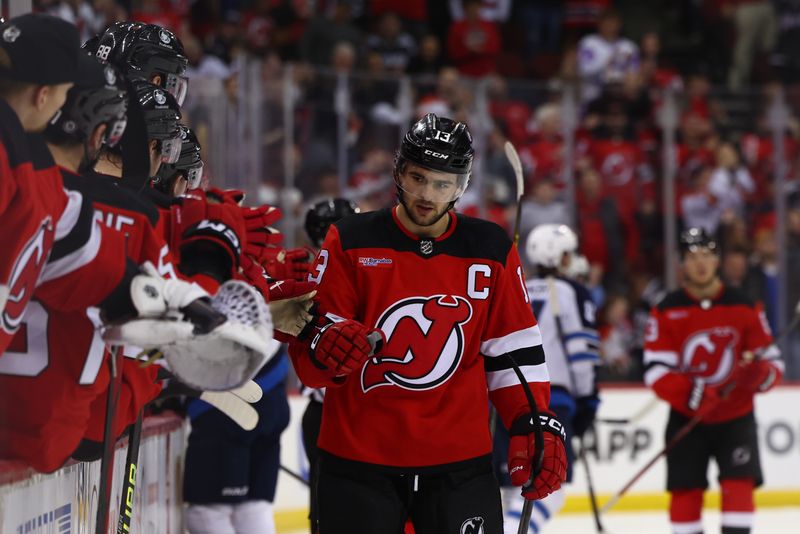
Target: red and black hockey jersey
[54, 369]
[454, 311]
[50, 243]
[687, 339]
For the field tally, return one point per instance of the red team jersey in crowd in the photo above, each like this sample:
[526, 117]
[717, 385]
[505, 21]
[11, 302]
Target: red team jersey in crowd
[451, 308]
[55, 367]
[686, 340]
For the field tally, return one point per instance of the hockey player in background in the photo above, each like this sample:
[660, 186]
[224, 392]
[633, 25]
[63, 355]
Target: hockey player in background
[426, 314]
[319, 218]
[708, 351]
[566, 315]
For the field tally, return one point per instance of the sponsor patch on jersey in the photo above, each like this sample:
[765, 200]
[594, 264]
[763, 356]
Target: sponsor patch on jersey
[367, 261]
[677, 314]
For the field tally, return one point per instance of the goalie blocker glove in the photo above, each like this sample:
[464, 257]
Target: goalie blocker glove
[522, 453]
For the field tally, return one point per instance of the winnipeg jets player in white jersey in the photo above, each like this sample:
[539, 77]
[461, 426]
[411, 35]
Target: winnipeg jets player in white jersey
[566, 317]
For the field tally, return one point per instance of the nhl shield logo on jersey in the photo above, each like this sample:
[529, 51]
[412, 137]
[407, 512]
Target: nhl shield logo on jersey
[710, 353]
[473, 525]
[424, 343]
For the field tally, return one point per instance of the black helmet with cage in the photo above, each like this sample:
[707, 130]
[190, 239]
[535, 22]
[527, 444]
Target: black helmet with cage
[162, 116]
[99, 98]
[323, 214]
[144, 51]
[189, 165]
[439, 144]
[694, 239]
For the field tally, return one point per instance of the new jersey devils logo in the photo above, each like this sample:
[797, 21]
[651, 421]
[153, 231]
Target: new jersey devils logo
[25, 274]
[710, 354]
[425, 343]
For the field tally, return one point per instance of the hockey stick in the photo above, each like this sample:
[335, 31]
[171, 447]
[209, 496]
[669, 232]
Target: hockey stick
[598, 525]
[677, 438]
[516, 164]
[635, 418]
[129, 483]
[106, 464]
[527, 507]
[294, 475]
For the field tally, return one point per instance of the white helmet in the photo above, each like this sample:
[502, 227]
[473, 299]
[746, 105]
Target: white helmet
[547, 243]
[578, 267]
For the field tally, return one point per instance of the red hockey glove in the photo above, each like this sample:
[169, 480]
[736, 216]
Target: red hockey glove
[291, 264]
[751, 378]
[522, 454]
[344, 346]
[262, 239]
[221, 226]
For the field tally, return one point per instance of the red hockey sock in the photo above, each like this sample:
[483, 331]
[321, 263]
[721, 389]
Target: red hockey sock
[684, 511]
[738, 505]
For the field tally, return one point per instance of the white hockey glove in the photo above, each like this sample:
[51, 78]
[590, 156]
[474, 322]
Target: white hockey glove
[211, 344]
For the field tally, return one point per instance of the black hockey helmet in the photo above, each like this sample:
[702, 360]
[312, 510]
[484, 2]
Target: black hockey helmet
[189, 164]
[100, 97]
[323, 214]
[143, 51]
[693, 239]
[440, 144]
[162, 117]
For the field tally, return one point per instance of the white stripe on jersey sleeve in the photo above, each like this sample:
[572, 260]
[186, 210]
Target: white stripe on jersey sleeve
[527, 337]
[663, 357]
[69, 218]
[507, 377]
[75, 259]
[654, 374]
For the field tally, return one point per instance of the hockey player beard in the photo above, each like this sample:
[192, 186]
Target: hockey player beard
[423, 212]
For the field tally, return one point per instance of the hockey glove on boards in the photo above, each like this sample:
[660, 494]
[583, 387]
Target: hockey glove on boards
[522, 454]
[344, 346]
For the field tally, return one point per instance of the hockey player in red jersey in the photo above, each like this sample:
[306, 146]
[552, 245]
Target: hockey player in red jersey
[405, 419]
[39, 60]
[708, 351]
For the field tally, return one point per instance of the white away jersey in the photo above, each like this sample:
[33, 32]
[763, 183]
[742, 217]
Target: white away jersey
[566, 316]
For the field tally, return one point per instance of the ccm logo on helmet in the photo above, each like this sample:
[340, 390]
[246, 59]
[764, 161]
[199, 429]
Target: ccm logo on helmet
[436, 154]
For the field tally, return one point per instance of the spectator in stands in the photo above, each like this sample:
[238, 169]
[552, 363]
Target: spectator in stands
[755, 33]
[395, 46]
[601, 231]
[228, 37]
[542, 206]
[514, 113]
[326, 31]
[730, 182]
[542, 157]
[734, 267]
[81, 14]
[616, 336]
[605, 57]
[542, 23]
[700, 206]
[489, 10]
[428, 61]
[165, 14]
[761, 283]
[473, 44]
[785, 59]
[258, 24]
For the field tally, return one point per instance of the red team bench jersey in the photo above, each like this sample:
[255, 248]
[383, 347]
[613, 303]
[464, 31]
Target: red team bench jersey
[451, 308]
[688, 339]
[44, 224]
[55, 367]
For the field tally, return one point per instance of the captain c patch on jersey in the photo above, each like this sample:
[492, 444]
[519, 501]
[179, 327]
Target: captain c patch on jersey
[424, 343]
